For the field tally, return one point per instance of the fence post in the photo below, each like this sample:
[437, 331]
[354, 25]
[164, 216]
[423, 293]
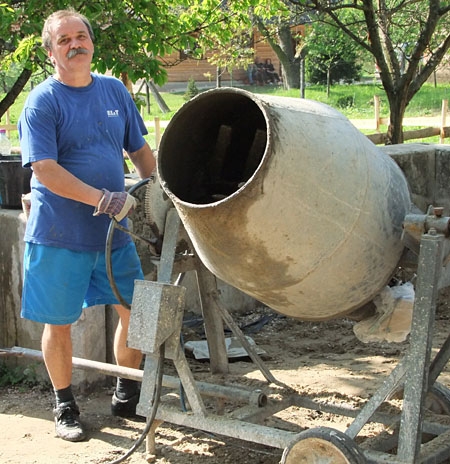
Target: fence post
[443, 120]
[8, 120]
[376, 104]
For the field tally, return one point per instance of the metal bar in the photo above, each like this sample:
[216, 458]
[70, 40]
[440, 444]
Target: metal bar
[189, 385]
[342, 410]
[205, 285]
[149, 381]
[150, 243]
[416, 380]
[389, 385]
[206, 389]
[439, 362]
[221, 425]
[215, 337]
[169, 246]
[378, 457]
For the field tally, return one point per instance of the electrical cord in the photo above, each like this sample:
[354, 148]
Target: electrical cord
[108, 261]
[154, 407]
[113, 225]
[159, 371]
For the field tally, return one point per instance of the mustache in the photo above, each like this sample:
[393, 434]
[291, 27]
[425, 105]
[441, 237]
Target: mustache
[77, 51]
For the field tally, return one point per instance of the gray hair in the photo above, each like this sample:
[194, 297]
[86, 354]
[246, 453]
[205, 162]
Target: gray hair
[69, 12]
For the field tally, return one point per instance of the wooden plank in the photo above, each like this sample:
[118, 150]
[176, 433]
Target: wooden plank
[8, 127]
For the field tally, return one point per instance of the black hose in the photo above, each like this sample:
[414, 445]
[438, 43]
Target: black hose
[154, 407]
[108, 262]
[159, 372]
[108, 249]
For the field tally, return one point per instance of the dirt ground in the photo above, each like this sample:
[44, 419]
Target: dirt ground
[323, 361]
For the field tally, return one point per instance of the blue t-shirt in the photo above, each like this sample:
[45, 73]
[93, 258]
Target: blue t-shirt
[84, 129]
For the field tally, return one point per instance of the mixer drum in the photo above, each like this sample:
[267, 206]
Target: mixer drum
[285, 199]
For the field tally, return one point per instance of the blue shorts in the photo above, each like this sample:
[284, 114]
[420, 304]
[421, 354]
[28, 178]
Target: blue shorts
[58, 283]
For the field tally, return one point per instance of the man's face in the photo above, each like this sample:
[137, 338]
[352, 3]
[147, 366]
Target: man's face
[72, 47]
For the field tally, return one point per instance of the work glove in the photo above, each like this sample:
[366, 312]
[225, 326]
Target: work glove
[116, 204]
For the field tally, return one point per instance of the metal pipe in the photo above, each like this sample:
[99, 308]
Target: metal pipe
[255, 397]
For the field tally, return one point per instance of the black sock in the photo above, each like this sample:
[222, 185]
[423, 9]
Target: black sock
[64, 395]
[126, 388]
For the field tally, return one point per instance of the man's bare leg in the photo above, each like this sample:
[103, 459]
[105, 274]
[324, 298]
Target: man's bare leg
[126, 396]
[57, 352]
[125, 356]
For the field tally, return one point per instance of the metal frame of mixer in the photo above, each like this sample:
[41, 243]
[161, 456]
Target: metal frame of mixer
[425, 237]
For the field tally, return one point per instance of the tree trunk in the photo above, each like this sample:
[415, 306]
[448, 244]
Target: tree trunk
[15, 91]
[218, 77]
[397, 105]
[127, 82]
[328, 81]
[291, 75]
[159, 99]
[286, 53]
[302, 78]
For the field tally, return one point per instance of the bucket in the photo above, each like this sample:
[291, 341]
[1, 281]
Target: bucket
[14, 181]
[285, 199]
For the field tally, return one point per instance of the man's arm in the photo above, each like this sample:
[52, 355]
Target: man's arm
[61, 182]
[144, 161]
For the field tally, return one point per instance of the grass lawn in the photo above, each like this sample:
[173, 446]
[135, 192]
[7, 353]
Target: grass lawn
[355, 101]
[427, 102]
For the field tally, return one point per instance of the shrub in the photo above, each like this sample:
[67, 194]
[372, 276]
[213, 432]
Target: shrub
[191, 90]
[19, 375]
[346, 102]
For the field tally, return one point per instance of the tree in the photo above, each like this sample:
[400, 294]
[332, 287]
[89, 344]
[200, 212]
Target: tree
[407, 39]
[277, 26]
[21, 69]
[332, 59]
[131, 36]
[230, 45]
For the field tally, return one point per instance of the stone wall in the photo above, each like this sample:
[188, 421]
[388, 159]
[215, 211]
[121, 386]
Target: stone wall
[427, 169]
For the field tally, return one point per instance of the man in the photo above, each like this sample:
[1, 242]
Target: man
[73, 129]
[272, 75]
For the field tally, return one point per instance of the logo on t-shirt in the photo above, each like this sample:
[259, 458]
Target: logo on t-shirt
[112, 113]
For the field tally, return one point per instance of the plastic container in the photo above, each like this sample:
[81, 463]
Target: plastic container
[5, 143]
[14, 181]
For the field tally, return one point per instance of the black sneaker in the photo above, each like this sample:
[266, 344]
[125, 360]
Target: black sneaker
[125, 408]
[67, 424]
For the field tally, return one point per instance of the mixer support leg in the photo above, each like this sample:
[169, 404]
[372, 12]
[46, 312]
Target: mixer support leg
[414, 371]
[416, 381]
[208, 287]
[213, 322]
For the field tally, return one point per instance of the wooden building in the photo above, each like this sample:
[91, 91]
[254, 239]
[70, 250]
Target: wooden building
[205, 73]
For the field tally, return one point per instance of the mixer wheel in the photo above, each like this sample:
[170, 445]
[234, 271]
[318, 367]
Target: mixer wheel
[438, 399]
[323, 445]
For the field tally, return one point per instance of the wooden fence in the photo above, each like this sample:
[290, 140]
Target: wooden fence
[8, 126]
[432, 126]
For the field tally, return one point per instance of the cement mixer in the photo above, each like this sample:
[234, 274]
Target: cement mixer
[219, 198]
[285, 199]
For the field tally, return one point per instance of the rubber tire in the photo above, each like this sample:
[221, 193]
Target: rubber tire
[323, 445]
[438, 399]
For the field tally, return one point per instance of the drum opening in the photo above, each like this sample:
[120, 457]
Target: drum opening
[212, 147]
